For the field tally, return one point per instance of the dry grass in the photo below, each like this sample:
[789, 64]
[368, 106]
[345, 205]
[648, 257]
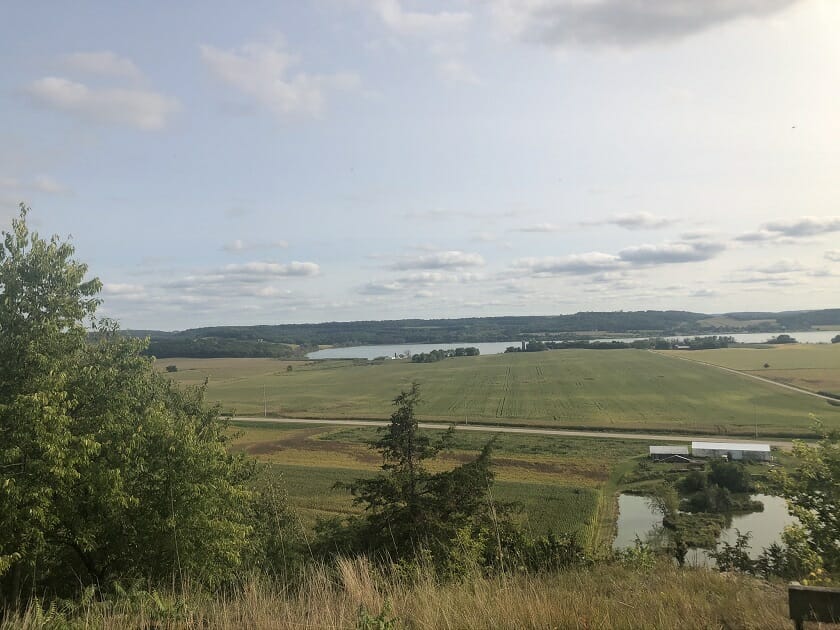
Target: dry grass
[607, 596]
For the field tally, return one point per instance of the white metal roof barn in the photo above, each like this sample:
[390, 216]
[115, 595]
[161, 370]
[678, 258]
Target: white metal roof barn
[732, 450]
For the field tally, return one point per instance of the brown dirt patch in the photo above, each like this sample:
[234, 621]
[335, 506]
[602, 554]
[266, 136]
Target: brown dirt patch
[306, 440]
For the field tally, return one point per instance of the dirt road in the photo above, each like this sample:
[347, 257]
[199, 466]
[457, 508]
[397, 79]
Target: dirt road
[606, 435]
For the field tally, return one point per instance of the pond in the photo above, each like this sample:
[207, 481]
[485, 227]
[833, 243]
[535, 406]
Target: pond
[637, 518]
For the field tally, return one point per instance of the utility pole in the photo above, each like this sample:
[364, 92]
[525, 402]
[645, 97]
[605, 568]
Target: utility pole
[265, 404]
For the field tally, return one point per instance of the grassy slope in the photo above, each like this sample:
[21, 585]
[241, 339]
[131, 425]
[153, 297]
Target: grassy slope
[624, 389]
[606, 596]
[815, 367]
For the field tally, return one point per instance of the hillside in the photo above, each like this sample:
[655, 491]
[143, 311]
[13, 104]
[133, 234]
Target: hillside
[292, 340]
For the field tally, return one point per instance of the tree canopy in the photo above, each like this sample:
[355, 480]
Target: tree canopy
[813, 494]
[107, 469]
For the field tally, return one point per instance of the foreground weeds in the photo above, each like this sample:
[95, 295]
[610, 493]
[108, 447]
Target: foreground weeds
[355, 594]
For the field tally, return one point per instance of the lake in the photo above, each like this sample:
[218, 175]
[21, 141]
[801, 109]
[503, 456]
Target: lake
[636, 518]
[498, 347]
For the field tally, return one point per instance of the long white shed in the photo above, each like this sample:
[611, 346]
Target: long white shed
[732, 450]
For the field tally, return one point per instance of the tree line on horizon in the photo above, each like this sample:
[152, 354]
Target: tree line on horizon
[289, 341]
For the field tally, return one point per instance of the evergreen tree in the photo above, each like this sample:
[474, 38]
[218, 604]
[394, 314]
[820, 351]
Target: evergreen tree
[407, 508]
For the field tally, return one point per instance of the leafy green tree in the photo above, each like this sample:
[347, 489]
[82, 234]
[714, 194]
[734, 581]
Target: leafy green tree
[44, 297]
[408, 509]
[107, 469]
[813, 495]
[733, 476]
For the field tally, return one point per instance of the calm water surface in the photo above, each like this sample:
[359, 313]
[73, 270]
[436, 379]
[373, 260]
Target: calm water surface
[372, 352]
[636, 518]
[498, 347]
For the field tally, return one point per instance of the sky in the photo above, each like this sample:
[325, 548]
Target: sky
[270, 162]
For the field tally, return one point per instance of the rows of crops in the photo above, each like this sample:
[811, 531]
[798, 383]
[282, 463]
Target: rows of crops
[571, 388]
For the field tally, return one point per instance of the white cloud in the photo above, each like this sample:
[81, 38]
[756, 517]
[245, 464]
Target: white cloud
[577, 264]
[780, 267]
[381, 288]
[622, 23]
[124, 291]
[139, 108]
[694, 251]
[790, 230]
[628, 258]
[541, 227]
[634, 221]
[105, 63]
[425, 278]
[441, 260]
[804, 226]
[833, 255]
[640, 221]
[266, 73]
[259, 269]
[405, 22]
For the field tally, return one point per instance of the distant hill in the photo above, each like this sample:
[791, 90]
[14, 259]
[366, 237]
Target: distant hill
[294, 340]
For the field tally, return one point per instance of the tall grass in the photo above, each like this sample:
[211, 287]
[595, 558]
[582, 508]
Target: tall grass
[353, 592]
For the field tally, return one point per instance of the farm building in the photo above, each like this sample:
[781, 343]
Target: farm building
[668, 453]
[732, 450]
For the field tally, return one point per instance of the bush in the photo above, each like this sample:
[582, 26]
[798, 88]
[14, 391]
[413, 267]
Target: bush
[171, 368]
[730, 475]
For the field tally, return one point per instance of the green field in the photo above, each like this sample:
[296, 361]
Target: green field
[814, 367]
[559, 484]
[625, 389]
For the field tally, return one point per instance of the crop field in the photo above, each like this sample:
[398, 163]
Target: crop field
[619, 389]
[558, 483]
[814, 367]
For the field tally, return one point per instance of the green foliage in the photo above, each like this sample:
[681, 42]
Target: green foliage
[168, 346]
[694, 481]
[734, 557]
[781, 339]
[793, 559]
[733, 476]
[551, 552]
[813, 495]
[438, 355]
[108, 470]
[640, 557]
[382, 621]
[665, 500]
[407, 508]
[171, 368]
[712, 498]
